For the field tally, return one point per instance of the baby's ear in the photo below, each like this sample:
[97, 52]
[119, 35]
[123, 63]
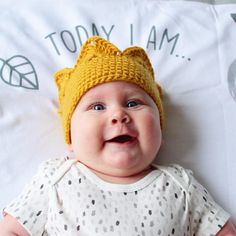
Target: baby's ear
[70, 148]
[162, 142]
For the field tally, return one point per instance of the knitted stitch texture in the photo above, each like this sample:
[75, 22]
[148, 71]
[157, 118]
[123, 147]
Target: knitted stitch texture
[100, 62]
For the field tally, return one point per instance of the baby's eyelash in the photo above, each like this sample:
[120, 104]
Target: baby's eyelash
[97, 106]
[134, 102]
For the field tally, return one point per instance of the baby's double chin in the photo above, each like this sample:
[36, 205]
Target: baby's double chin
[123, 176]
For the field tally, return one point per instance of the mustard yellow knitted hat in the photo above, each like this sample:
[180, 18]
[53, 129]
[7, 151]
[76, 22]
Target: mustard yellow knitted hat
[99, 62]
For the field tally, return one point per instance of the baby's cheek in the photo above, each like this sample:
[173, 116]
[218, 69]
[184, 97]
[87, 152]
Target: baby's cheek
[153, 130]
[152, 121]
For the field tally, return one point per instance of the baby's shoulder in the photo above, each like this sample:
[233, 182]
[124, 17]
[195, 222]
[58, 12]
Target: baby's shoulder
[52, 164]
[50, 167]
[178, 174]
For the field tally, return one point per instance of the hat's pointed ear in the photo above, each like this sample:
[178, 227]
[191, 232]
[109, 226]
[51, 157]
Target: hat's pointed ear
[95, 46]
[141, 56]
[61, 77]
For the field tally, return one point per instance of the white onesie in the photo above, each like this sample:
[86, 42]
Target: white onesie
[66, 198]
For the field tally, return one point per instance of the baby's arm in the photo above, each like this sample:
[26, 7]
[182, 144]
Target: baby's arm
[9, 226]
[227, 230]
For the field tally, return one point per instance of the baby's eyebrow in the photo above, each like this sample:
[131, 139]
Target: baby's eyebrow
[90, 98]
[93, 97]
[134, 92]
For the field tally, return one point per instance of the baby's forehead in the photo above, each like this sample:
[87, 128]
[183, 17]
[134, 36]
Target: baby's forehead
[115, 87]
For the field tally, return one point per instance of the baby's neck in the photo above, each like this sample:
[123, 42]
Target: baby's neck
[123, 179]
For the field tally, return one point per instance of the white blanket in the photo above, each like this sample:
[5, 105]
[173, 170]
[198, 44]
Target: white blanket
[191, 45]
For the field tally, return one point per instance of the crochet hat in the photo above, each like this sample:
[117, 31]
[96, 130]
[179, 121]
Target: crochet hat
[99, 62]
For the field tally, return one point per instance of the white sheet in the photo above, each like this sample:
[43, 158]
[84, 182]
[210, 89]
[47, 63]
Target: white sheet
[191, 45]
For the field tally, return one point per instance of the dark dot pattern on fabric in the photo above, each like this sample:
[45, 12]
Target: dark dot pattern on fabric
[38, 213]
[81, 205]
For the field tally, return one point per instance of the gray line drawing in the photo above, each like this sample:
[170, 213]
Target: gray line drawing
[18, 71]
[232, 79]
[233, 15]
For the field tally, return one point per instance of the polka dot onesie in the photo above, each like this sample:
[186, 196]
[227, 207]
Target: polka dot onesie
[66, 198]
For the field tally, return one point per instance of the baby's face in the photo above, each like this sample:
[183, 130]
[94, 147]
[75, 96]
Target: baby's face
[115, 129]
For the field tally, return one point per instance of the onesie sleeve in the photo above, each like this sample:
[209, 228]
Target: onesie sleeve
[206, 216]
[30, 207]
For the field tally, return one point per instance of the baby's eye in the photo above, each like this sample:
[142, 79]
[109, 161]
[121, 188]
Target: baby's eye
[98, 107]
[132, 103]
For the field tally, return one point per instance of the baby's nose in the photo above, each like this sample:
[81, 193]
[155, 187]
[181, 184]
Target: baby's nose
[120, 117]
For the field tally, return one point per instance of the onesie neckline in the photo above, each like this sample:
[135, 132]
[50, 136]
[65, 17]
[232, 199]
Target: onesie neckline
[107, 186]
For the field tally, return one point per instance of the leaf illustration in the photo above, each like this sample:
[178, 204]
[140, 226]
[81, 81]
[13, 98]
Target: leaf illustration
[232, 79]
[233, 15]
[18, 71]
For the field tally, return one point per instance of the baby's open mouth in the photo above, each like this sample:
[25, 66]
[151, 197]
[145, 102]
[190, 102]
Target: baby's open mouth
[121, 139]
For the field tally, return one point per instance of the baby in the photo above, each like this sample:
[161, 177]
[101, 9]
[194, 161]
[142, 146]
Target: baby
[112, 117]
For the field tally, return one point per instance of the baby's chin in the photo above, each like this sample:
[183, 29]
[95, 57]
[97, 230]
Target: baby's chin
[122, 159]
